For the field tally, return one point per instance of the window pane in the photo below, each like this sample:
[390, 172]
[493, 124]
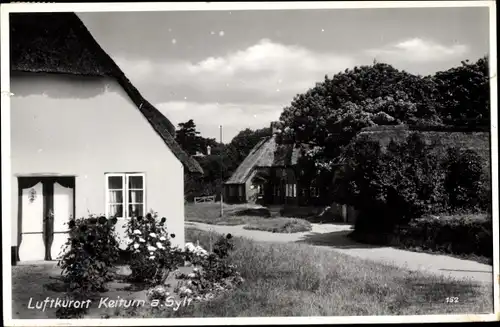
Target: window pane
[135, 210]
[115, 182]
[135, 182]
[115, 196]
[136, 196]
[116, 210]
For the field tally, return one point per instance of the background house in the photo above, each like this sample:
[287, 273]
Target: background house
[84, 140]
[268, 176]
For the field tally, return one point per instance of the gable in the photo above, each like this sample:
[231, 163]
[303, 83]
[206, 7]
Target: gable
[60, 43]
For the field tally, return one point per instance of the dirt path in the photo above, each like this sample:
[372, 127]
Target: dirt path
[334, 236]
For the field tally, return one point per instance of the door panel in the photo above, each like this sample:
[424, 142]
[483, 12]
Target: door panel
[32, 246]
[63, 212]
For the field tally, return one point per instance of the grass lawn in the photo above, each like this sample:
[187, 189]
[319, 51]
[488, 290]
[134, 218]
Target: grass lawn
[280, 225]
[209, 213]
[303, 280]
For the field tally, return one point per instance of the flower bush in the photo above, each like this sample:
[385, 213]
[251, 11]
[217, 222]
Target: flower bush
[152, 255]
[158, 292]
[212, 273]
[88, 258]
[89, 254]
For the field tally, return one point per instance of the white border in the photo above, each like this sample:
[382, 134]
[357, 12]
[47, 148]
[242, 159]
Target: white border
[233, 6]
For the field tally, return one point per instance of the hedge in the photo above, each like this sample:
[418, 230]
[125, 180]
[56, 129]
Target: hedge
[460, 234]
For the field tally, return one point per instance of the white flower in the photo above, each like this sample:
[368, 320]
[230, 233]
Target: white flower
[191, 275]
[137, 232]
[152, 234]
[163, 238]
[141, 240]
[151, 248]
[190, 247]
[136, 245]
[195, 269]
[159, 245]
[151, 257]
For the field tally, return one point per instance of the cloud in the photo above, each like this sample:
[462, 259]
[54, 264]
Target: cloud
[266, 71]
[419, 50]
[234, 117]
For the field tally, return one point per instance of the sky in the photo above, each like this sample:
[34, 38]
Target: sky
[239, 69]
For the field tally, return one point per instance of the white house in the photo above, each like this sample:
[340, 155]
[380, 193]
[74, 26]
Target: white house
[84, 140]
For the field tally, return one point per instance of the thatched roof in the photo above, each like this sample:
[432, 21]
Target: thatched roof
[60, 43]
[440, 138]
[267, 153]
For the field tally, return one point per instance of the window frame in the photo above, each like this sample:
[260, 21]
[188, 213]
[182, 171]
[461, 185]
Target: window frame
[291, 190]
[125, 189]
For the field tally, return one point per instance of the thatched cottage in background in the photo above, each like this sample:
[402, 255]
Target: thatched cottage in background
[439, 138]
[83, 139]
[268, 176]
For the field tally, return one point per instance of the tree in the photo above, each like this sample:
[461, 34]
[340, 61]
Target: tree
[464, 94]
[190, 140]
[330, 114]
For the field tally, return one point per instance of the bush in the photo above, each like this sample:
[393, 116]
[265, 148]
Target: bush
[89, 256]
[461, 234]
[409, 180]
[152, 255]
[215, 273]
[464, 182]
[281, 225]
[254, 212]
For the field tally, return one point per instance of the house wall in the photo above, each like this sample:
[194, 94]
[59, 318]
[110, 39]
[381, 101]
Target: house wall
[86, 127]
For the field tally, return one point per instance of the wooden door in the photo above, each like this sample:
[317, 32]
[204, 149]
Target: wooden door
[63, 197]
[31, 236]
[46, 206]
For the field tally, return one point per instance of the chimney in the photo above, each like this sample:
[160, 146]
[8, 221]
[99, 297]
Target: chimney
[208, 150]
[274, 127]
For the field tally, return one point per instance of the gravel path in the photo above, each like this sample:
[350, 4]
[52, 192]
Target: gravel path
[334, 236]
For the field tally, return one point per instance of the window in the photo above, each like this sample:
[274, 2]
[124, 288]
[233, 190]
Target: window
[125, 195]
[260, 189]
[291, 190]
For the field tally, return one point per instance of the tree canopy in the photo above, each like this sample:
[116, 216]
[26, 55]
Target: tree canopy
[331, 113]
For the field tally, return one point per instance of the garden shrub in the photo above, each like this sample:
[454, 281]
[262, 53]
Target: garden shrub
[89, 256]
[408, 180]
[459, 234]
[152, 257]
[213, 273]
[464, 182]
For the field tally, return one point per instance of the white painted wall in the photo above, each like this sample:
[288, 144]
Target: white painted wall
[83, 126]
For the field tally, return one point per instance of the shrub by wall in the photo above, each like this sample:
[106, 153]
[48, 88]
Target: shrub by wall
[393, 187]
[459, 234]
[152, 257]
[408, 180]
[88, 259]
